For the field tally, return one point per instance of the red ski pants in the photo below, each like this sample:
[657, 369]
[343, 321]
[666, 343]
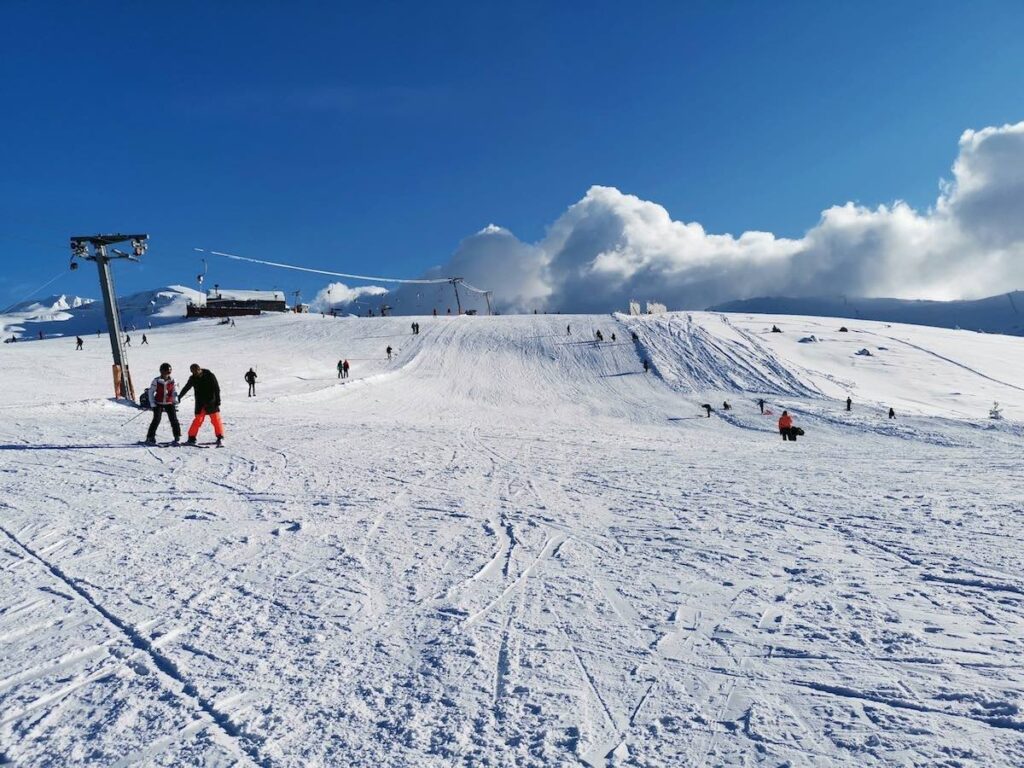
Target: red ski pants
[197, 422]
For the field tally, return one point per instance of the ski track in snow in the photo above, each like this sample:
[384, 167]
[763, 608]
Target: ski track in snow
[510, 546]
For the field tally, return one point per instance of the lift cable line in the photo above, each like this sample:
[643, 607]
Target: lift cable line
[36, 291]
[322, 271]
[454, 282]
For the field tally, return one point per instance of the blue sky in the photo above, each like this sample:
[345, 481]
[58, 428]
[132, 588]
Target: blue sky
[374, 137]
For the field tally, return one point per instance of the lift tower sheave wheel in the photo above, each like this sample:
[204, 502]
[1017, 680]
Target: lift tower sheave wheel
[80, 249]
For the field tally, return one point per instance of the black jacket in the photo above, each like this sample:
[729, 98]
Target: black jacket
[207, 391]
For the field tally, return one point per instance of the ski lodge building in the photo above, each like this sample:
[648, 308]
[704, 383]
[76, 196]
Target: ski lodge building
[228, 303]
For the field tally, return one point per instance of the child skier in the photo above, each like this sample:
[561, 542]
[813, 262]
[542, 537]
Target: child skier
[162, 399]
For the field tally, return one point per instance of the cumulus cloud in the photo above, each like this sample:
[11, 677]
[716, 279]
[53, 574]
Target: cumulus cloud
[340, 296]
[610, 247]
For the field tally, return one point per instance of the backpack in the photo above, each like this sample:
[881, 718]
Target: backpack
[144, 399]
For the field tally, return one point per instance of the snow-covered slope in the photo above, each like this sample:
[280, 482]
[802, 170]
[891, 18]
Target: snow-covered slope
[510, 546]
[74, 316]
[995, 314]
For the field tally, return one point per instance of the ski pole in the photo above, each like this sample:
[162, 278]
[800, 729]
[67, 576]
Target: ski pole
[133, 418]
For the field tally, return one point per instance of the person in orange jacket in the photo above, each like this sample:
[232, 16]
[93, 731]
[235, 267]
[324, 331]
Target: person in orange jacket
[785, 425]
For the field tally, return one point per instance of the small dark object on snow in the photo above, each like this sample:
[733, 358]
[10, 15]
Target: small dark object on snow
[844, 329]
[849, 404]
[776, 329]
[892, 414]
[726, 406]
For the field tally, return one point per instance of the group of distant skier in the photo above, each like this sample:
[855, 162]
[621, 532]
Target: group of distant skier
[787, 428]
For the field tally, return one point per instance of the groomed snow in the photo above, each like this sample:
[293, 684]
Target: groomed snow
[510, 546]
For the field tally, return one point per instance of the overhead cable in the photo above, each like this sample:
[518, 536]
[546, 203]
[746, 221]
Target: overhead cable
[324, 271]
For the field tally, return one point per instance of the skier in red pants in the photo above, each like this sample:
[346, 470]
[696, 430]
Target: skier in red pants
[207, 396]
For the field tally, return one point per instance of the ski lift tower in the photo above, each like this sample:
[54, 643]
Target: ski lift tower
[80, 249]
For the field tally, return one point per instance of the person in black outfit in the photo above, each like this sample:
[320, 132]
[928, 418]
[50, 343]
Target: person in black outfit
[707, 407]
[760, 404]
[78, 342]
[207, 396]
[849, 403]
[892, 413]
[250, 379]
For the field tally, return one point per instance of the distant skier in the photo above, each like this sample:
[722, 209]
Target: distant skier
[162, 399]
[598, 336]
[707, 408]
[613, 336]
[127, 341]
[344, 370]
[568, 330]
[207, 396]
[726, 406]
[389, 352]
[250, 379]
[341, 370]
[760, 404]
[232, 322]
[849, 403]
[145, 341]
[41, 337]
[414, 329]
[635, 337]
[785, 424]
[776, 329]
[78, 342]
[647, 366]
[435, 311]
[892, 413]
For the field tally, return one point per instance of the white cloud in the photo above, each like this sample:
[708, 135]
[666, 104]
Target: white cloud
[610, 247]
[339, 296]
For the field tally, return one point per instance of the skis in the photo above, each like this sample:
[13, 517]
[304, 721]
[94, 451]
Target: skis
[180, 444]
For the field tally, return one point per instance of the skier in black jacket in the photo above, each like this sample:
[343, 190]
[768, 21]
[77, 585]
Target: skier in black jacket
[250, 379]
[207, 396]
